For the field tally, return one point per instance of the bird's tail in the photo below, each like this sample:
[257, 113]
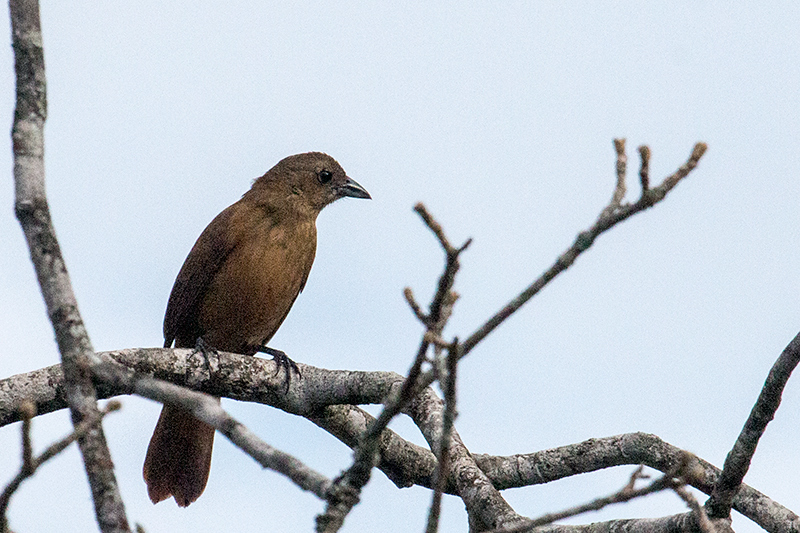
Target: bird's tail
[179, 457]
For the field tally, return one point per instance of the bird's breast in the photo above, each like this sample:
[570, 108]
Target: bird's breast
[256, 286]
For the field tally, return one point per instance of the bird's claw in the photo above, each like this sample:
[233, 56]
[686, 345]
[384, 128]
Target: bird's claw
[201, 346]
[283, 361]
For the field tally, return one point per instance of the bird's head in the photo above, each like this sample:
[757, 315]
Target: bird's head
[312, 180]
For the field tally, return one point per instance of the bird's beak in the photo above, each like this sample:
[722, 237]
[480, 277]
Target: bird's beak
[353, 189]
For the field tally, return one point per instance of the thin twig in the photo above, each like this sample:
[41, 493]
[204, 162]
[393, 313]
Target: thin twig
[412, 302]
[705, 524]
[206, 408]
[644, 170]
[32, 463]
[609, 217]
[443, 469]
[620, 188]
[738, 460]
[447, 278]
[626, 494]
[344, 494]
[33, 213]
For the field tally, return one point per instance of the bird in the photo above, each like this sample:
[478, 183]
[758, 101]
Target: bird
[232, 293]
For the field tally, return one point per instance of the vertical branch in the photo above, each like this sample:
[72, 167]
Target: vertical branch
[443, 469]
[738, 460]
[344, 493]
[644, 169]
[622, 167]
[33, 213]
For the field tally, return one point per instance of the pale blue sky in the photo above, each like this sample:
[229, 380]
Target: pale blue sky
[499, 116]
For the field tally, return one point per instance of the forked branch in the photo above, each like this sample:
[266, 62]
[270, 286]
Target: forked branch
[614, 213]
[30, 463]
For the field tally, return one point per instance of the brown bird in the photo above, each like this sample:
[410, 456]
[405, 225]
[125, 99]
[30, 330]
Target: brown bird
[233, 291]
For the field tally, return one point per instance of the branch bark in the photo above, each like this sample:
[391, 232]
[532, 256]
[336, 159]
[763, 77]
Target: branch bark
[207, 408]
[30, 463]
[738, 460]
[33, 213]
[253, 379]
[486, 506]
[614, 213]
[344, 494]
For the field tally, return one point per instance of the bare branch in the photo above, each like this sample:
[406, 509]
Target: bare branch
[674, 479]
[447, 278]
[678, 523]
[27, 411]
[626, 494]
[644, 170]
[403, 462]
[252, 379]
[485, 506]
[234, 376]
[443, 455]
[30, 464]
[207, 408]
[705, 524]
[34, 216]
[631, 448]
[483, 501]
[620, 189]
[738, 460]
[344, 494]
[412, 302]
[611, 215]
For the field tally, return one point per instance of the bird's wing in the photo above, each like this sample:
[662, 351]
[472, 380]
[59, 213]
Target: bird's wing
[207, 256]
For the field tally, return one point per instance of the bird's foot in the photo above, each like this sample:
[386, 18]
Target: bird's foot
[283, 361]
[209, 353]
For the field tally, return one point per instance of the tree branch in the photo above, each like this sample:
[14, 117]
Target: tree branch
[33, 213]
[344, 494]
[443, 455]
[705, 524]
[675, 480]
[252, 379]
[685, 523]
[30, 464]
[612, 214]
[738, 460]
[630, 449]
[486, 506]
[207, 408]
[644, 169]
[625, 494]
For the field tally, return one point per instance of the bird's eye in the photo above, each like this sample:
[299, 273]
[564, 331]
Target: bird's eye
[325, 176]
